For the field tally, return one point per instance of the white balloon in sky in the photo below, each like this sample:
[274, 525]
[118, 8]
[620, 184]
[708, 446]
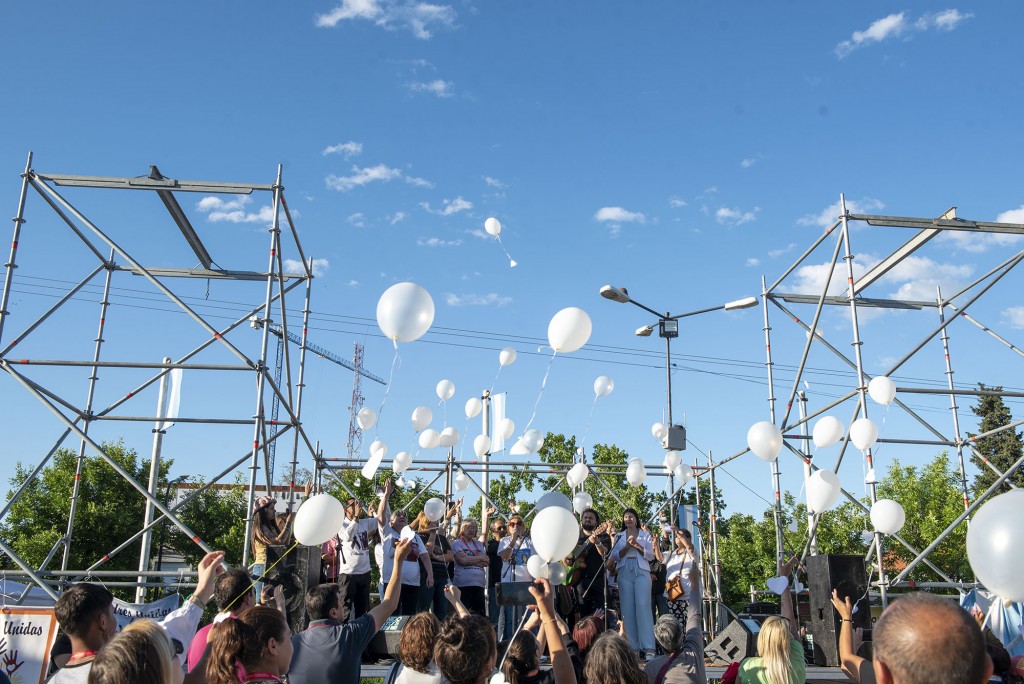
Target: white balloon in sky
[492, 226]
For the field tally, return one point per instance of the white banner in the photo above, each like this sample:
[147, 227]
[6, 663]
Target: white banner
[174, 400]
[497, 415]
[127, 613]
[26, 637]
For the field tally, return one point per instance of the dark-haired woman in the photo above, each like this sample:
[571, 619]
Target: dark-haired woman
[632, 552]
[254, 647]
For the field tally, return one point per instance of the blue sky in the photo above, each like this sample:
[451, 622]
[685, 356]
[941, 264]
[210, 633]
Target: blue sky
[682, 150]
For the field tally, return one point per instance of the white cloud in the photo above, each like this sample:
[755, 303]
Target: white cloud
[776, 253]
[362, 176]
[417, 16]
[491, 299]
[735, 217]
[618, 215]
[480, 233]
[1014, 316]
[981, 242]
[753, 261]
[886, 27]
[450, 206]
[676, 202]
[748, 162]
[320, 266]
[896, 25]
[353, 283]
[418, 182]
[438, 87]
[347, 149]
[494, 183]
[357, 219]
[234, 211]
[946, 20]
[437, 242]
[827, 216]
[398, 217]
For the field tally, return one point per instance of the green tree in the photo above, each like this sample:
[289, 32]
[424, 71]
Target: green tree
[1002, 449]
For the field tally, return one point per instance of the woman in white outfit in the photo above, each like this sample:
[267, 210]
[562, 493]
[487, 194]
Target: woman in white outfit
[632, 551]
[679, 564]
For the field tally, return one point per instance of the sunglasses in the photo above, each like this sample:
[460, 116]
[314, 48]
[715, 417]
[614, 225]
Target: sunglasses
[514, 524]
[179, 647]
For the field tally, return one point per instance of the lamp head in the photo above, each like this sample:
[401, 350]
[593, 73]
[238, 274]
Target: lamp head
[616, 294]
[644, 331]
[745, 303]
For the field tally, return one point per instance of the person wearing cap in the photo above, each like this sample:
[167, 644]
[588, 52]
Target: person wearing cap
[85, 612]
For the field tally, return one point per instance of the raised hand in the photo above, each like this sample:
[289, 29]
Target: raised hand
[11, 663]
[843, 607]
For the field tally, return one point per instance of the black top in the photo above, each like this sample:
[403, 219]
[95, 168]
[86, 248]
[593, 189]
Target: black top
[494, 575]
[441, 545]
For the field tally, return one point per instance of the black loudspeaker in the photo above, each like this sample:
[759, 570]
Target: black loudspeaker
[297, 573]
[384, 644]
[736, 642]
[847, 575]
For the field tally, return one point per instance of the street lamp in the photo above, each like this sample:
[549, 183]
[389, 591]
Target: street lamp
[668, 328]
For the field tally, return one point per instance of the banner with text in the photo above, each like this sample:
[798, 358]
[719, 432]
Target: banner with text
[127, 613]
[26, 636]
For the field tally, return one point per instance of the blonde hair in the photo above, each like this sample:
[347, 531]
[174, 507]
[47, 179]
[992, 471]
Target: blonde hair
[141, 654]
[773, 647]
[466, 522]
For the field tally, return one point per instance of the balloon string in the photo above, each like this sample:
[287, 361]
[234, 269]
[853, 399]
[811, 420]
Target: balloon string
[444, 413]
[496, 375]
[543, 384]
[395, 363]
[260, 578]
[511, 262]
[589, 419]
[462, 442]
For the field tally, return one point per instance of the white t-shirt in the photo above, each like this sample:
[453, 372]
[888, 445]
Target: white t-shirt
[679, 564]
[514, 570]
[355, 545]
[469, 575]
[411, 565]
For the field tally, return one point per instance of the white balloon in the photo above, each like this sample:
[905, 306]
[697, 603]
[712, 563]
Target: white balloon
[366, 418]
[672, 460]
[407, 532]
[533, 440]
[636, 472]
[683, 474]
[405, 312]
[445, 390]
[603, 386]
[659, 431]
[481, 445]
[882, 389]
[318, 519]
[462, 481]
[421, 417]
[497, 678]
[492, 226]
[433, 509]
[519, 449]
[411, 484]
[827, 431]
[449, 437]
[429, 439]
[765, 440]
[555, 533]
[506, 428]
[400, 482]
[581, 501]
[863, 433]
[556, 573]
[357, 482]
[823, 490]
[554, 499]
[401, 462]
[887, 516]
[473, 407]
[378, 450]
[569, 330]
[507, 356]
[577, 475]
[995, 545]
[537, 567]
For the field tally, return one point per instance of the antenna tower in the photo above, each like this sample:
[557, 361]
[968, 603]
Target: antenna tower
[355, 434]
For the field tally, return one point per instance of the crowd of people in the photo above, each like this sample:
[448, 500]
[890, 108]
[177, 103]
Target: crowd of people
[629, 611]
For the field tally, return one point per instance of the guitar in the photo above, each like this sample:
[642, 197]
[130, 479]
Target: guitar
[576, 561]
